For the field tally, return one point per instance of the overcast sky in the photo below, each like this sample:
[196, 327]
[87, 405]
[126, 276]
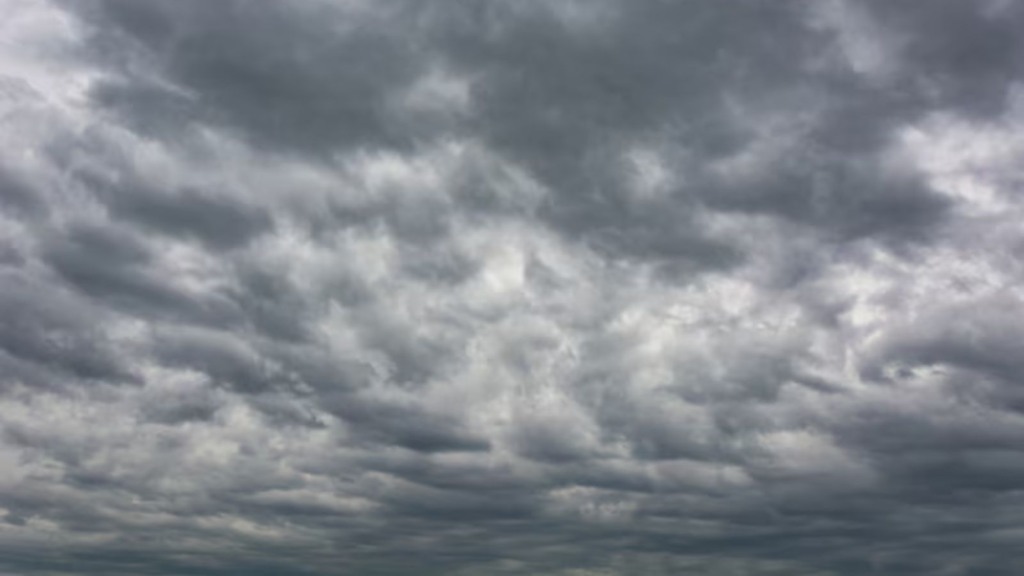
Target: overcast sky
[511, 288]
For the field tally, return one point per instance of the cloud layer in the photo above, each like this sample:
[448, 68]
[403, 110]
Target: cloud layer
[562, 288]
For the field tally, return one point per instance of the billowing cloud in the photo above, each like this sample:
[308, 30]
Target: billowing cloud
[564, 288]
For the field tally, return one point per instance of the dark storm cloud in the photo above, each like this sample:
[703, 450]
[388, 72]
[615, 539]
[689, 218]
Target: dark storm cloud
[567, 288]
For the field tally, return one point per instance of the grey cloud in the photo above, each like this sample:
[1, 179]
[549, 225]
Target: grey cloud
[401, 424]
[567, 102]
[46, 327]
[977, 335]
[964, 57]
[563, 288]
[845, 198]
[19, 195]
[191, 212]
[110, 264]
[522, 83]
[226, 360]
[272, 73]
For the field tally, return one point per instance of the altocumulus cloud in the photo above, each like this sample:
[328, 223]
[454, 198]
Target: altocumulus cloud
[477, 288]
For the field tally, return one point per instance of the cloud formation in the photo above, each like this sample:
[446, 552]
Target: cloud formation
[563, 288]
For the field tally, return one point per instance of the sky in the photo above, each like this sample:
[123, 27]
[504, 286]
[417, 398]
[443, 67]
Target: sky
[511, 288]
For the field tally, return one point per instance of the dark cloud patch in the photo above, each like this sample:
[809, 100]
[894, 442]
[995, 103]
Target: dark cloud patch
[176, 411]
[847, 199]
[667, 235]
[965, 57]
[271, 304]
[564, 102]
[152, 110]
[979, 336]
[275, 74]
[192, 212]
[551, 440]
[48, 328]
[228, 361]
[19, 195]
[403, 424]
[114, 265]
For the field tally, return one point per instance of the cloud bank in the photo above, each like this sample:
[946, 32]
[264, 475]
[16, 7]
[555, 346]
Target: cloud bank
[504, 288]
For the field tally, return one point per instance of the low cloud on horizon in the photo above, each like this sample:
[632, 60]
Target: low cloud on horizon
[478, 288]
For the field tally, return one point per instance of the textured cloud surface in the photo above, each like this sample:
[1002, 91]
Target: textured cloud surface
[472, 288]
